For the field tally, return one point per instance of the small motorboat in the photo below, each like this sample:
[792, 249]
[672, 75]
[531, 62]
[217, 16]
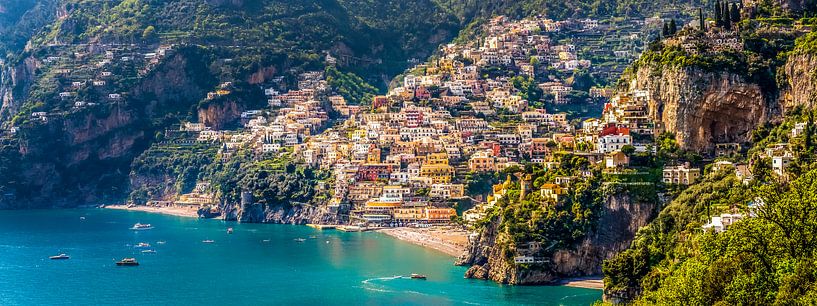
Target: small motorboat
[142, 245]
[265, 240]
[82, 218]
[161, 242]
[141, 227]
[417, 276]
[208, 241]
[299, 239]
[61, 256]
[127, 262]
[229, 230]
[151, 251]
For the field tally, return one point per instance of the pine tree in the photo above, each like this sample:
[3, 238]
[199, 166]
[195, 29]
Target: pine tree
[673, 28]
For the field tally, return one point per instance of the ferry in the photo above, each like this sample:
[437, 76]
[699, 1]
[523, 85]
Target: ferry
[142, 245]
[208, 241]
[127, 262]
[141, 227]
[418, 276]
[61, 256]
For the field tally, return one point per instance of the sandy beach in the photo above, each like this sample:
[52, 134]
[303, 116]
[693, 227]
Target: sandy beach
[449, 240]
[174, 211]
[590, 282]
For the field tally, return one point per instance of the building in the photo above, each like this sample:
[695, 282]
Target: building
[613, 138]
[616, 159]
[682, 175]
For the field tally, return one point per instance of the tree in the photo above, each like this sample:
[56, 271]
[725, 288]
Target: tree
[734, 13]
[701, 23]
[665, 30]
[727, 21]
[148, 33]
[718, 13]
[628, 150]
[673, 28]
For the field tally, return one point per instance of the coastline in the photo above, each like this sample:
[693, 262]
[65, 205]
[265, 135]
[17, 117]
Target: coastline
[446, 239]
[449, 240]
[173, 211]
[588, 282]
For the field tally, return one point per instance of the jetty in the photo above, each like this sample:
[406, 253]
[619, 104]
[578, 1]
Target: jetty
[322, 226]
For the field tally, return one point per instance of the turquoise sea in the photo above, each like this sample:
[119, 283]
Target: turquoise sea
[257, 264]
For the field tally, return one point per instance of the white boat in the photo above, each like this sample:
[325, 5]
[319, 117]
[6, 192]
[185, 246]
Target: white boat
[299, 239]
[141, 227]
[148, 251]
[61, 256]
[142, 245]
[161, 242]
[208, 241]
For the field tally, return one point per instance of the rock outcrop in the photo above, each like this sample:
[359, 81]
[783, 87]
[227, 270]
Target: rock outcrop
[703, 108]
[490, 253]
[83, 156]
[801, 81]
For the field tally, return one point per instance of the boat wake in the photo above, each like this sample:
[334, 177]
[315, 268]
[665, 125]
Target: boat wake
[374, 284]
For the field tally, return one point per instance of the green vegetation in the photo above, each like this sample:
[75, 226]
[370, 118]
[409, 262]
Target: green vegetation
[354, 89]
[169, 168]
[273, 180]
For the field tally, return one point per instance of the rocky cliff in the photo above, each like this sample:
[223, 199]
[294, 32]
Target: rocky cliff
[801, 81]
[294, 214]
[703, 108]
[83, 156]
[490, 254]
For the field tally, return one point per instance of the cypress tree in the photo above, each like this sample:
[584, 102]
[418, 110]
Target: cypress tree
[734, 13]
[673, 28]
[718, 13]
[701, 23]
[727, 21]
[665, 30]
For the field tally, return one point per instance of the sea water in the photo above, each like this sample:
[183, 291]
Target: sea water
[259, 264]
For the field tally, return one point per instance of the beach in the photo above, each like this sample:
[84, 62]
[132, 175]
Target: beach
[173, 211]
[589, 282]
[447, 239]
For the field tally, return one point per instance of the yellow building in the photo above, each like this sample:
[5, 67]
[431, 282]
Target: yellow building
[552, 191]
[439, 174]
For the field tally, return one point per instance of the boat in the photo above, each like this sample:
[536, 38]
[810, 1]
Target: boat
[142, 245]
[61, 256]
[299, 239]
[141, 227]
[82, 218]
[265, 240]
[127, 262]
[161, 242]
[149, 251]
[208, 241]
[417, 276]
[229, 230]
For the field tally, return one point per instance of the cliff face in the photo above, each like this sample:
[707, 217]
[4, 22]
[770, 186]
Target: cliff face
[17, 80]
[218, 115]
[295, 214]
[703, 108]
[83, 156]
[490, 254]
[801, 81]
